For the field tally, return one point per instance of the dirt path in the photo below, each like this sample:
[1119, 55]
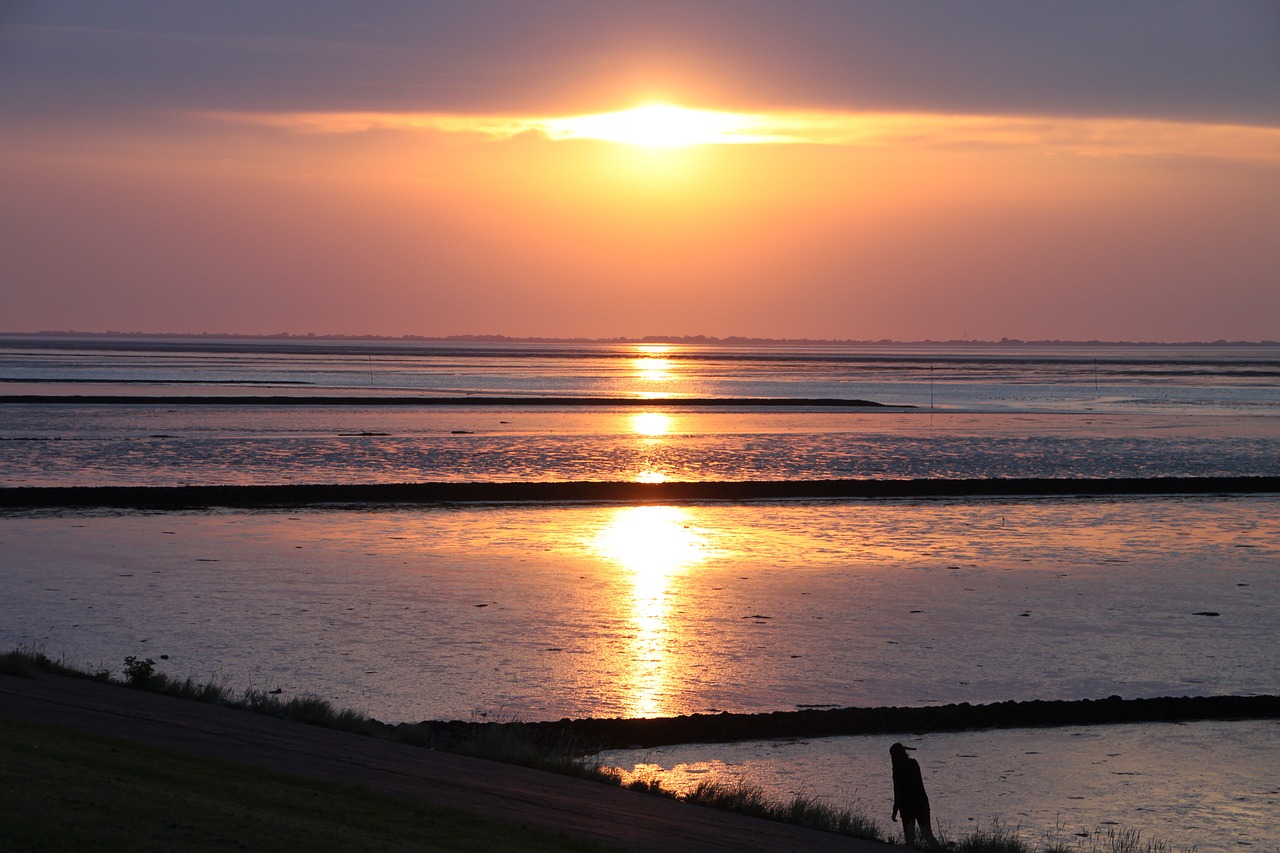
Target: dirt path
[518, 795]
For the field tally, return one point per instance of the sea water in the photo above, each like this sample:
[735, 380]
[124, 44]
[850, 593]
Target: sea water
[541, 612]
[1204, 785]
[950, 412]
[538, 612]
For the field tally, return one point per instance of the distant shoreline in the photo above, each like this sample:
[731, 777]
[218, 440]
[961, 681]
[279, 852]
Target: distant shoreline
[197, 497]
[426, 400]
[52, 336]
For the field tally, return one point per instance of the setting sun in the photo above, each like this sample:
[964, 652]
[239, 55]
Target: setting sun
[656, 126]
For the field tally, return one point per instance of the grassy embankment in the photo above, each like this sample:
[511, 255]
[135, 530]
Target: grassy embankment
[68, 791]
[63, 789]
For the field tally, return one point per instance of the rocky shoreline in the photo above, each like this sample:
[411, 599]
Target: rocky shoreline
[597, 734]
[197, 497]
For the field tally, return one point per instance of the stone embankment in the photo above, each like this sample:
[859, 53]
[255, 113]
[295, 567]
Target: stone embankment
[593, 734]
[197, 497]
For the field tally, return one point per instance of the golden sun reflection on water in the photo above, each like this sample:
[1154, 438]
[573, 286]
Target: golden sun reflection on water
[652, 427]
[653, 367]
[654, 544]
[650, 423]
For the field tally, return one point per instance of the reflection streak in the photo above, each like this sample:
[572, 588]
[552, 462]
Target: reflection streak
[653, 428]
[652, 366]
[653, 544]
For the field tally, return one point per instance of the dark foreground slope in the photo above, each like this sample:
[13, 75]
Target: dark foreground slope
[518, 795]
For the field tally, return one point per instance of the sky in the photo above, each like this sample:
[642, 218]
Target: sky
[839, 169]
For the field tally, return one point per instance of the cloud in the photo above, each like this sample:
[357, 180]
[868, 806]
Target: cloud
[903, 132]
[1215, 61]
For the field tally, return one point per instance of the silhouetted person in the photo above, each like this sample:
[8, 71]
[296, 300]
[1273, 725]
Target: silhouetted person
[909, 798]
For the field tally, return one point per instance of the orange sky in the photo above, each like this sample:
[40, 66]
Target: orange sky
[212, 202]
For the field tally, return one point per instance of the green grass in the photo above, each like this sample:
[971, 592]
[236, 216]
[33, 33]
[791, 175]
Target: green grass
[65, 791]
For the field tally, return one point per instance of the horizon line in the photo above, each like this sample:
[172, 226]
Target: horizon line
[696, 340]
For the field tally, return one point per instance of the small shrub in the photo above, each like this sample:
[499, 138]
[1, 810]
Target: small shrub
[138, 673]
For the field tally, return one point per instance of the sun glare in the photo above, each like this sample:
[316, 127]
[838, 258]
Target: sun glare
[656, 126]
[653, 369]
[651, 423]
[654, 542]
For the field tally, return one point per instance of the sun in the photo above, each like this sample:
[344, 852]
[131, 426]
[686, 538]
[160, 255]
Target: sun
[656, 126]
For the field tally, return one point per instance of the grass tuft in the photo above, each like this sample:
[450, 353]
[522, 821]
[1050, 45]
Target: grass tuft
[30, 661]
[1001, 839]
[1113, 840]
[310, 710]
[748, 799]
[995, 839]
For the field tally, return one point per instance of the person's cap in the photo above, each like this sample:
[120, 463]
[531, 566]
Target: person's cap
[897, 747]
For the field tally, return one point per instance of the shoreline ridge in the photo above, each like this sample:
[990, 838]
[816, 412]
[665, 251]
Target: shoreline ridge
[424, 493]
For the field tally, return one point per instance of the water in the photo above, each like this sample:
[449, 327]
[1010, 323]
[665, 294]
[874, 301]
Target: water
[956, 412]
[575, 611]
[540, 612]
[1207, 785]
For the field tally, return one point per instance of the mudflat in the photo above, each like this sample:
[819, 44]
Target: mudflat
[517, 795]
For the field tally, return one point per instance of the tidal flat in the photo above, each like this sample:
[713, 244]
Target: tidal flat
[543, 612]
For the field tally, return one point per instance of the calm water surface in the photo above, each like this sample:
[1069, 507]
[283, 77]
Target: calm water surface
[545, 612]
[540, 612]
[1207, 785]
[955, 412]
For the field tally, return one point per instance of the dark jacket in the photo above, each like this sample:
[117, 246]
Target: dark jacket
[908, 788]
